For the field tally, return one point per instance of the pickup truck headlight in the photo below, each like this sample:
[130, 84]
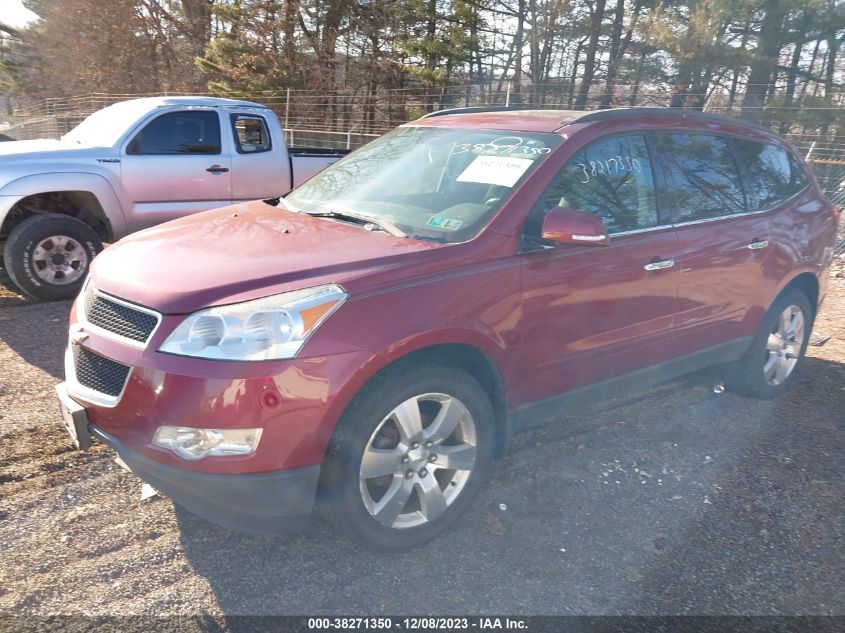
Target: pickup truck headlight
[270, 328]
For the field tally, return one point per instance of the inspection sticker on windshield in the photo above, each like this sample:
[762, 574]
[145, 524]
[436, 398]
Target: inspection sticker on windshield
[444, 223]
[495, 170]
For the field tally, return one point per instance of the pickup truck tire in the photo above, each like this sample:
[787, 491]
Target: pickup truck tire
[776, 353]
[48, 255]
[387, 481]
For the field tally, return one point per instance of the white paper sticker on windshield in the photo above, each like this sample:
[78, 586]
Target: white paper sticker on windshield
[495, 170]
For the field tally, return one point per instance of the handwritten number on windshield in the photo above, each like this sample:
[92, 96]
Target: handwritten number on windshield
[502, 146]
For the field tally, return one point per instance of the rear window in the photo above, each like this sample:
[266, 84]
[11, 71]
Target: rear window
[772, 175]
[702, 178]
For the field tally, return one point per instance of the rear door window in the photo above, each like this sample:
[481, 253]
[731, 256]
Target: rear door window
[702, 179]
[251, 135]
[772, 175]
[611, 178]
[189, 132]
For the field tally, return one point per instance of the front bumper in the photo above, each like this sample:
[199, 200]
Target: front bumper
[256, 503]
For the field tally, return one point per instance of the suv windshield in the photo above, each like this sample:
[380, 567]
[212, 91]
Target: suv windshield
[439, 184]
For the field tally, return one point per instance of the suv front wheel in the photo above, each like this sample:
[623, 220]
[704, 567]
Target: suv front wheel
[409, 456]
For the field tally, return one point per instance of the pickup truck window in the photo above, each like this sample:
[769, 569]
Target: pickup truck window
[439, 184]
[251, 135]
[191, 132]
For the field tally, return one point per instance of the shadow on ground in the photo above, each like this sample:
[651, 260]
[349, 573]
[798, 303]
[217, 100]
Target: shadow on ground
[677, 500]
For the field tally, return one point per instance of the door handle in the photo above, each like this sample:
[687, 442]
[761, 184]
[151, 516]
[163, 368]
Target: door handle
[217, 169]
[659, 265]
[758, 244]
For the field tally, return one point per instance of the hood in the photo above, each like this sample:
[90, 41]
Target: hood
[42, 148]
[238, 253]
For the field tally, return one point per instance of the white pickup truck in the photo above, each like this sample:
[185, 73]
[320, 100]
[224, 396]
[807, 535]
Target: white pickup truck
[132, 165]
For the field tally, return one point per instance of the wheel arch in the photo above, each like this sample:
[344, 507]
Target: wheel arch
[454, 353]
[807, 283]
[86, 197]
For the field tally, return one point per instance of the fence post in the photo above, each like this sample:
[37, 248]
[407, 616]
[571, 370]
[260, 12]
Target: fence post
[287, 107]
[349, 136]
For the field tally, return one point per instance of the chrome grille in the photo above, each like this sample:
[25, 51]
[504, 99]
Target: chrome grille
[98, 373]
[117, 317]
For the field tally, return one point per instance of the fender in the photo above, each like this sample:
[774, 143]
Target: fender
[396, 352]
[805, 266]
[94, 184]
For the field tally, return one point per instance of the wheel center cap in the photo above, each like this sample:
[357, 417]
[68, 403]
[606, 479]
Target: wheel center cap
[57, 259]
[417, 454]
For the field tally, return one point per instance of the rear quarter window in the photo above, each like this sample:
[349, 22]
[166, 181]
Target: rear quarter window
[772, 175]
[251, 135]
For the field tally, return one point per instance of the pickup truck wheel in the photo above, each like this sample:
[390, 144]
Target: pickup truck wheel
[48, 255]
[772, 361]
[409, 456]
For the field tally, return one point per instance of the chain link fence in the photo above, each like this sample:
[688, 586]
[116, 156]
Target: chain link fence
[353, 118]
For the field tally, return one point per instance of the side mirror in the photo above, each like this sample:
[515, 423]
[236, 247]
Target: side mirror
[570, 226]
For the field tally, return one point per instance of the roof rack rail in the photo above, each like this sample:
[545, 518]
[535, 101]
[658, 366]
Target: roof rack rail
[681, 113]
[474, 110]
[604, 115]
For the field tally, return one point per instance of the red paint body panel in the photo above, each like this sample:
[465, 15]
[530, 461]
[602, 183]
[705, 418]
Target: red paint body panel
[591, 313]
[548, 320]
[241, 252]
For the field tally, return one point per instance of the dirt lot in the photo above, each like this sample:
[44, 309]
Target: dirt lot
[674, 500]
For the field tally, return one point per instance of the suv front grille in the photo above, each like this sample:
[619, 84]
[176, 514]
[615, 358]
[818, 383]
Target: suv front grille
[117, 317]
[98, 373]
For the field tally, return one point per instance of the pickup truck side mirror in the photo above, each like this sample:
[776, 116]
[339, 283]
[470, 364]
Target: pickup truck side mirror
[571, 226]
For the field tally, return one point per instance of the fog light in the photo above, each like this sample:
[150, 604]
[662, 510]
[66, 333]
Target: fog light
[190, 443]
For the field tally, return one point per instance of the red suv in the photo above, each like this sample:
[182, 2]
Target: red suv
[374, 338]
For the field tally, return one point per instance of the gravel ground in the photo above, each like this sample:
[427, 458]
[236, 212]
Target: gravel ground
[670, 501]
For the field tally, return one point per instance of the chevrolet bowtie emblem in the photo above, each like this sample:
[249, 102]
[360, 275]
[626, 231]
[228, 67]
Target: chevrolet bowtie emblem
[78, 336]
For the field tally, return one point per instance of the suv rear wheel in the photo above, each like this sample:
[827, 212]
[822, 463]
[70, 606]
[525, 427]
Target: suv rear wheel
[48, 255]
[772, 361]
[409, 456]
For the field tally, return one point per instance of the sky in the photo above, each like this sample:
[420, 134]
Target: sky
[12, 12]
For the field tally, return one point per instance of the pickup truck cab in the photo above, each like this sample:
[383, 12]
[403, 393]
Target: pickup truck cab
[374, 338]
[130, 166]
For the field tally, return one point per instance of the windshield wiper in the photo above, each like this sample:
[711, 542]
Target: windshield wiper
[384, 225]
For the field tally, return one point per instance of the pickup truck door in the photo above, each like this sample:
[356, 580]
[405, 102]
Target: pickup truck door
[176, 165]
[261, 167]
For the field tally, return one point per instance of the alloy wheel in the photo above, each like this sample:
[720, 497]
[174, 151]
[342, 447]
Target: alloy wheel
[60, 260]
[783, 346]
[418, 460]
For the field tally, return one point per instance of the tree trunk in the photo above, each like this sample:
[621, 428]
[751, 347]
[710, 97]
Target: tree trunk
[615, 57]
[590, 61]
[769, 43]
[289, 29]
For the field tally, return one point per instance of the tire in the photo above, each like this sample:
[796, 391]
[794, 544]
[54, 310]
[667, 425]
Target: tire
[48, 255]
[356, 504]
[777, 350]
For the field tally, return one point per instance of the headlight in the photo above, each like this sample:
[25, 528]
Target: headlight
[193, 444]
[263, 329]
